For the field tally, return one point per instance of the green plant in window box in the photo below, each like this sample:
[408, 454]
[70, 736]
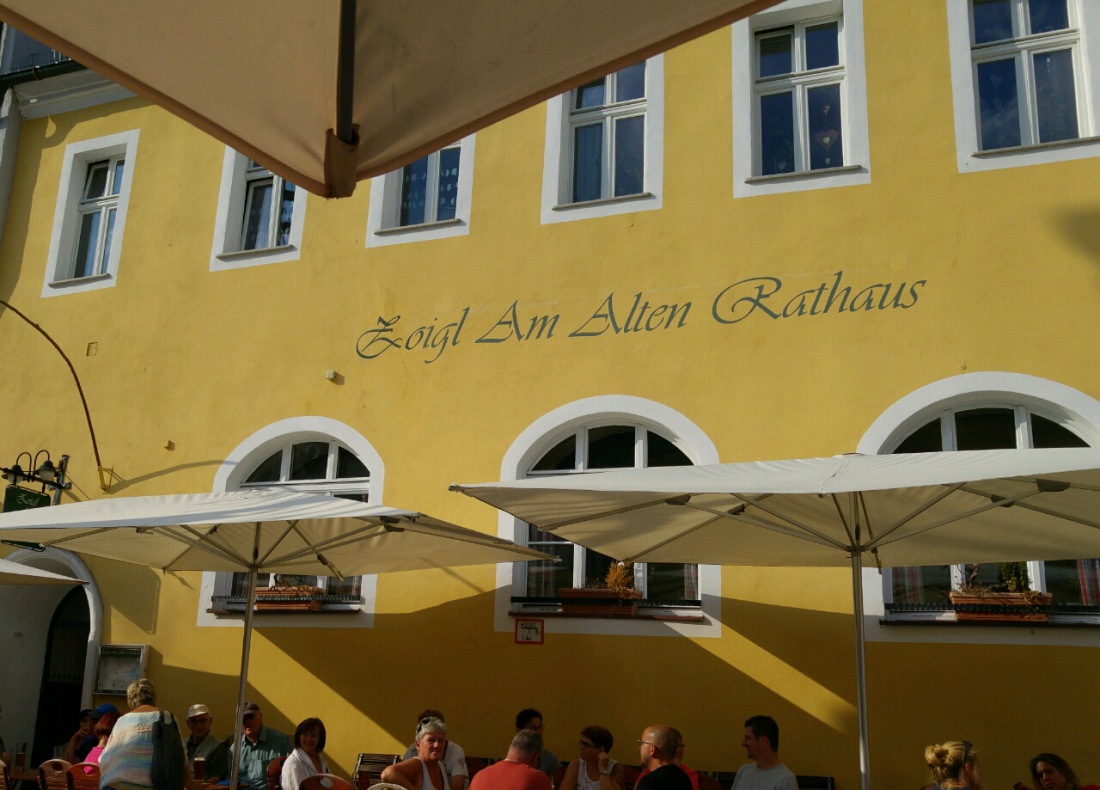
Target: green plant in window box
[1011, 599]
[613, 596]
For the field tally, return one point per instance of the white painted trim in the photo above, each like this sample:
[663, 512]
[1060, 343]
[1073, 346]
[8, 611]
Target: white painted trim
[385, 193]
[965, 101]
[225, 252]
[228, 478]
[857, 153]
[540, 436]
[68, 93]
[58, 279]
[555, 164]
[1068, 406]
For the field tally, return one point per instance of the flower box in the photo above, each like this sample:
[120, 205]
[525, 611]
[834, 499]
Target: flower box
[1001, 606]
[589, 602]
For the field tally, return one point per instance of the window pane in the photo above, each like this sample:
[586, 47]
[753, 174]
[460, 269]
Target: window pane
[776, 55]
[671, 581]
[992, 20]
[1046, 433]
[86, 245]
[1048, 15]
[257, 216]
[545, 578]
[822, 46]
[595, 567]
[1055, 97]
[987, 574]
[590, 95]
[347, 586]
[309, 461]
[116, 182]
[101, 264]
[96, 184]
[448, 184]
[925, 439]
[349, 465]
[587, 162]
[826, 148]
[776, 134]
[286, 213]
[1074, 582]
[268, 471]
[999, 110]
[985, 429]
[561, 459]
[240, 580]
[414, 192]
[929, 584]
[630, 82]
[661, 452]
[611, 447]
[630, 155]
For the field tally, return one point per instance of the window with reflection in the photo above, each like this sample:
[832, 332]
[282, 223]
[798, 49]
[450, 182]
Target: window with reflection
[607, 120]
[429, 188]
[799, 87]
[268, 209]
[318, 466]
[606, 447]
[1074, 583]
[1027, 78]
[98, 209]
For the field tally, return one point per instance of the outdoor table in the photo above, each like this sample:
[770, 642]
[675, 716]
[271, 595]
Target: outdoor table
[25, 774]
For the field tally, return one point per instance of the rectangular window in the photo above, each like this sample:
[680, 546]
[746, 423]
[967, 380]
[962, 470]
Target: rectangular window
[1026, 72]
[799, 88]
[429, 188]
[607, 120]
[269, 209]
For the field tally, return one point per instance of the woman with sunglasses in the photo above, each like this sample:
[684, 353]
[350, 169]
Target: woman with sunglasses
[954, 764]
[594, 770]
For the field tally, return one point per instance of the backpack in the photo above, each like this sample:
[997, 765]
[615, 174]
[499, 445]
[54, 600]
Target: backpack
[168, 759]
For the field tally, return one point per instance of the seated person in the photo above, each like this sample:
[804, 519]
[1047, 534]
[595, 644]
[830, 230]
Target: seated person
[306, 759]
[425, 771]
[594, 769]
[454, 758]
[1051, 772]
[549, 764]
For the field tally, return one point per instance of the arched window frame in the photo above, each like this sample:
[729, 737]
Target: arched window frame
[231, 476]
[545, 433]
[1026, 395]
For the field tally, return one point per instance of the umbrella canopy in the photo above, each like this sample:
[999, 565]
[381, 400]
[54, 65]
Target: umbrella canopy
[327, 93]
[890, 510]
[258, 530]
[14, 573]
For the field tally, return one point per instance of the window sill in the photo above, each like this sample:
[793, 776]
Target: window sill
[684, 611]
[397, 230]
[78, 281]
[604, 201]
[807, 174]
[1023, 149]
[1066, 617]
[238, 255]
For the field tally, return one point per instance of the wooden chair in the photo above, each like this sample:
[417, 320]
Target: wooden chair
[324, 782]
[630, 776]
[83, 776]
[708, 782]
[369, 767]
[475, 764]
[275, 774]
[5, 778]
[53, 775]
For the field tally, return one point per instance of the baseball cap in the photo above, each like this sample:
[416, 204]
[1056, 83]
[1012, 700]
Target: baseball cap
[106, 707]
[197, 710]
[250, 707]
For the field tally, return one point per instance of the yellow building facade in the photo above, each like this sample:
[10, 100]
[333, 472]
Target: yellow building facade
[809, 234]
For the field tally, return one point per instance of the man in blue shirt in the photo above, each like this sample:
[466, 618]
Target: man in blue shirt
[259, 747]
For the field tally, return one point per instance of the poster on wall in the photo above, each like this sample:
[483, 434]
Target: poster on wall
[119, 666]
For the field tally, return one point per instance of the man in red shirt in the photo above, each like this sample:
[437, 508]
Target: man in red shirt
[517, 771]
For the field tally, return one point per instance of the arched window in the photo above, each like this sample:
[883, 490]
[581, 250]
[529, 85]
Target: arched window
[602, 447]
[988, 411]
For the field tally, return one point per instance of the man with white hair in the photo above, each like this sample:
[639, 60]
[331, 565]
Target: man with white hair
[204, 745]
[424, 771]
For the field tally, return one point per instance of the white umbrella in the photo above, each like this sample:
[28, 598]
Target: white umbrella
[258, 531]
[14, 573]
[890, 510]
[328, 93]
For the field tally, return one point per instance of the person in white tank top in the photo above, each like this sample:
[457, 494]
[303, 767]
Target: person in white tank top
[594, 769]
[425, 771]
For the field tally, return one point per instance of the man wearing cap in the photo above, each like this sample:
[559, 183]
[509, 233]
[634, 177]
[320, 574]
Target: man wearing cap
[204, 744]
[84, 740]
[259, 747]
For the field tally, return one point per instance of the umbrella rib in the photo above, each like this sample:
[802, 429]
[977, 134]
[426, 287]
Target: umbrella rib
[798, 526]
[262, 561]
[939, 497]
[688, 531]
[661, 498]
[196, 543]
[335, 542]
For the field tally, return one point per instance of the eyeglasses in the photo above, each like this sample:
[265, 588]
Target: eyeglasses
[647, 743]
[587, 745]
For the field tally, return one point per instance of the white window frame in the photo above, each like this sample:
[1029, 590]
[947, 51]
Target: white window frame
[1085, 16]
[540, 437]
[746, 116]
[557, 169]
[230, 477]
[226, 252]
[1068, 407]
[383, 215]
[64, 237]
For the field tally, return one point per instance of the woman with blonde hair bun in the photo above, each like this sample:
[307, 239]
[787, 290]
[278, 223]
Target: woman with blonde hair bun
[954, 764]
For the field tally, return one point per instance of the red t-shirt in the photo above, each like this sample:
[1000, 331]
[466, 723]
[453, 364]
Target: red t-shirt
[693, 775]
[505, 775]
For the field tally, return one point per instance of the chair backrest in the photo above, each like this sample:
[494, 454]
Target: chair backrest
[815, 782]
[5, 779]
[708, 782]
[52, 775]
[630, 776]
[324, 782]
[83, 776]
[369, 767]
[275, 774]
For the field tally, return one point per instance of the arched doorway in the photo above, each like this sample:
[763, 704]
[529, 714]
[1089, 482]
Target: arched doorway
[59, 700]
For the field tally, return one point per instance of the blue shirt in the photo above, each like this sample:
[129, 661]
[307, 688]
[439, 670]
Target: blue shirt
[254, 759]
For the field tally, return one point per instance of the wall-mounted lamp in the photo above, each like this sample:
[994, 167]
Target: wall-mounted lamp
[43, 473]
